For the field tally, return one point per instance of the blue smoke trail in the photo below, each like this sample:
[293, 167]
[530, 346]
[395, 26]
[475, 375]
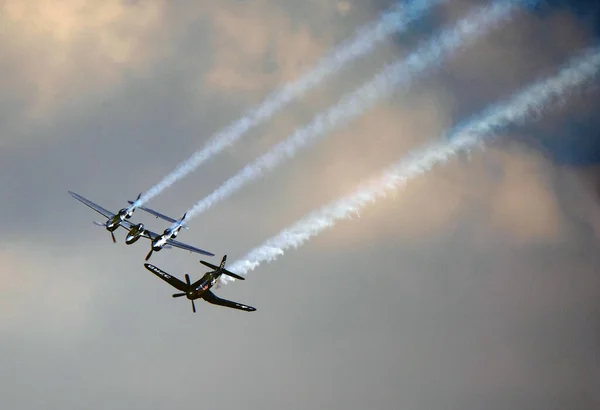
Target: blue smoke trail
[524, 105]
[365, 39]
[400, 72]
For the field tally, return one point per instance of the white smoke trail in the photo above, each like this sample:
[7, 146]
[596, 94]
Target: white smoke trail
[400, 72]
[366, 38]
[529, 102]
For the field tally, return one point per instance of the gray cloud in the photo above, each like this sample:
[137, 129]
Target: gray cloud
[429, 300]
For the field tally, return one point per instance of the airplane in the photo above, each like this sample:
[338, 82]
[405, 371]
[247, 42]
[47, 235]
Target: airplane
[136, 231]
[201, 288]
[119, 219]
[165, 239]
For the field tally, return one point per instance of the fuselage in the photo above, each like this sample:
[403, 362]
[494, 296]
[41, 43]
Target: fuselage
[134, 234]
[160, 241]
[207, 282]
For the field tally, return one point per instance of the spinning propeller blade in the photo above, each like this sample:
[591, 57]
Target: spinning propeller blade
[103, 225]
[193, 306]
[149, 254]
[187, 279]
[178, 295]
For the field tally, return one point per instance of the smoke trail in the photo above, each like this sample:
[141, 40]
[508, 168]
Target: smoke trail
[352, 105]
[519, 108]
[365, 39]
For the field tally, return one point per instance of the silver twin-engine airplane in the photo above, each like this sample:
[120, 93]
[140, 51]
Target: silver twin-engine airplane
[165, 239]
[136, 231]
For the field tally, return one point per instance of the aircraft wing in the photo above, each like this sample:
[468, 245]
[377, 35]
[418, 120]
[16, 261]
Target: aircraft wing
[171, 280]
[187, 247]
[155, 213]
[212, 298]
[92, 205]
[150, 235]
[126, 224]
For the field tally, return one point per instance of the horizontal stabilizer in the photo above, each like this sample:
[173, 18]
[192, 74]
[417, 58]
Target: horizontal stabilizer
[233, 275]
[222, 270]
[210, 265]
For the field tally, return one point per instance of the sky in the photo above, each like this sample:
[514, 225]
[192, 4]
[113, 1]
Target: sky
[475, 286]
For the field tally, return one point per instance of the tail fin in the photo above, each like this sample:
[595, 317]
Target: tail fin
[132, 203]
[221, 268]
[183, 219]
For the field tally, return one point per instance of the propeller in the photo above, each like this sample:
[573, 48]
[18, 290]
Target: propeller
[178, 295]
[152, 250]
[187, 280]
[149, 254]
[112, 235]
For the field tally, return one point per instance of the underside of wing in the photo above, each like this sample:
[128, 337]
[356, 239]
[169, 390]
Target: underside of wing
[212, 298]
[155, 213]
[187, 247]
[92, 205]
[171, 280]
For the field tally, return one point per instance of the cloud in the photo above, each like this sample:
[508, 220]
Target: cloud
[438, 298]
[42, 289]
[258, 46]
[344, 7]
[502, 62]
[579, 192]
[54, 52]
[508, 186]
[522, 203]
[512, 200]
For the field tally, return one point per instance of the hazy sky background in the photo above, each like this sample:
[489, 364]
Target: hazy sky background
[475, 287]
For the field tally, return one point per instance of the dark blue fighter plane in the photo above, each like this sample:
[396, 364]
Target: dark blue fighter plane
[201, 288]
